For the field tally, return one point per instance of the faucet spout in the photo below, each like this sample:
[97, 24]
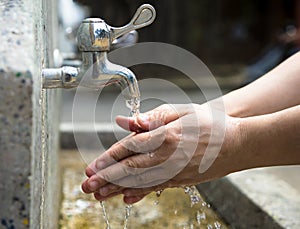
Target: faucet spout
[100, 72]
[97, 71]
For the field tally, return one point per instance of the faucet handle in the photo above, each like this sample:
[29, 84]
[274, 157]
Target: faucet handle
[94, 35]
[143, 17]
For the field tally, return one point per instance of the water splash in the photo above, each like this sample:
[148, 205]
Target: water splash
[195, 198]
[104, 213]
[194, 195]
[134, 106]
[200, 216]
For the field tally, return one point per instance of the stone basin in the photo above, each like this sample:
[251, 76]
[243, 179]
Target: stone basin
[250, 199]
[172, 209]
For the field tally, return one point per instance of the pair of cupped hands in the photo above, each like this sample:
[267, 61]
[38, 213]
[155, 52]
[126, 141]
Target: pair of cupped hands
[167, 147]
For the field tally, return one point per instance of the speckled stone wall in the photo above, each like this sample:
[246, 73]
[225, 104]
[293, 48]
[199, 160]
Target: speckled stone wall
[29, 174]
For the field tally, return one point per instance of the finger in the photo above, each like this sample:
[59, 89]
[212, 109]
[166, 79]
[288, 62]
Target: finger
[139, 177]
[108, 175]
[140, 143]
[109, 189]
[90, 170]
[145, 142]
[162, 115]
[99, 197]
[132, 199]
[139, 169]
[155, 118]
[136, 171]
[125, 174]
[134, 144]
[85, 188]
[114, 154]
[129, 123]
[132, 192]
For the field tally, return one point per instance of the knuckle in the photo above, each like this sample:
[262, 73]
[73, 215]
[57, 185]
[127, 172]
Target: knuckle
[171, 136]
[161, 112]
[130, 163]
[131, 145]
[104, 176]
[114, 154]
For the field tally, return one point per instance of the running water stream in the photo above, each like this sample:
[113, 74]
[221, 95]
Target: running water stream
[134, 106]
[105, 217]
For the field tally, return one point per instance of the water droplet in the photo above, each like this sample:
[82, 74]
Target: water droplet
[151, 154]
[217, 225]
[158, 193]
[187, 189]
[195, 199]
[209, 226]
[200, 216]
[156, 202]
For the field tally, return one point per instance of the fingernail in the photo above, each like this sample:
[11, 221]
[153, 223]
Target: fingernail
[100, 165]
[93, 185]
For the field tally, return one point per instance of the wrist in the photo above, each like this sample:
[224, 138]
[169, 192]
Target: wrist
[258, 141]
[234, 144]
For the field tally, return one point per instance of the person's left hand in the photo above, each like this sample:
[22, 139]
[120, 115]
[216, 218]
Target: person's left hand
[165, 150]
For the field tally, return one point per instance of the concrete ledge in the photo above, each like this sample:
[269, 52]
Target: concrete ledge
[250, 199]
[106, 133]
[234, 206]
[254, 199]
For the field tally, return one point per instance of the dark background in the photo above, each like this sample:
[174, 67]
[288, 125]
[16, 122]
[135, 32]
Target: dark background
[217, 31]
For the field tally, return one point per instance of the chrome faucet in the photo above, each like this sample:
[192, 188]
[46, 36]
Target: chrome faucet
[95, 38]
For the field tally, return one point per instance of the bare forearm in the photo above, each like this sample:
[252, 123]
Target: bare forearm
[272, 139]
[275, 91]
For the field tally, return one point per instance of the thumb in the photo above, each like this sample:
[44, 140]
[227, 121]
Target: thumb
[153, 119]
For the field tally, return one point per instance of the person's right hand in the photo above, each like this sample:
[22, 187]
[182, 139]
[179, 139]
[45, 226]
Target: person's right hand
[172, 142]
